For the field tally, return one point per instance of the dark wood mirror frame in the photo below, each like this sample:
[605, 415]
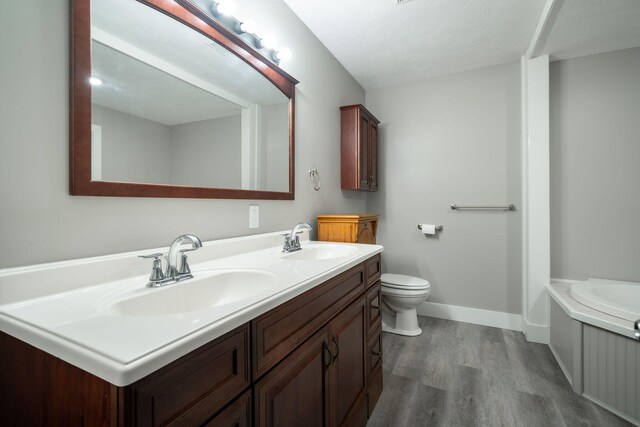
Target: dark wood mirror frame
[189, 14]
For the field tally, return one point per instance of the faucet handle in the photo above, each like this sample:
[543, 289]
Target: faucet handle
[184, 266]
[154, 256]
[287, 242]
[156, 275]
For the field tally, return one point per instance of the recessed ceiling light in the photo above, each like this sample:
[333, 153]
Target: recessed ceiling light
[95, 81]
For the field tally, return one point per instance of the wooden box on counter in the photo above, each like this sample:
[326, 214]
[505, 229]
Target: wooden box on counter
[348, 228]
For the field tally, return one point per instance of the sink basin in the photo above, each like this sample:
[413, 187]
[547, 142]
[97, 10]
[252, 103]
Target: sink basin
[213, 290]
[321, 252]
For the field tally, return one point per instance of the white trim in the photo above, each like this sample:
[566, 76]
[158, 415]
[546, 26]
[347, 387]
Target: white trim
[496, 319]
[524, 164]
[536, 333]
[544, 26]
[536, 211]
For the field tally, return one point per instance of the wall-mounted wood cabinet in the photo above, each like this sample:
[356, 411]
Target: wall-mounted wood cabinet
[350, 228]
[359, 148]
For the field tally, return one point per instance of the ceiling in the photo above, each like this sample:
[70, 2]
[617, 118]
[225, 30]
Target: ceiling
[382, 43]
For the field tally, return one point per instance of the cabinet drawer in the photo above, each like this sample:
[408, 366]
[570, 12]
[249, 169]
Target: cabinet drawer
[373, 270]
[374, 353]
[374, 317]
[277, 332]
[238, 414]
[193, 388]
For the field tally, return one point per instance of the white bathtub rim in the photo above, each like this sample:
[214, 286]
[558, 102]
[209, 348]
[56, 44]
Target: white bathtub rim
[583, 292]
[558, 289]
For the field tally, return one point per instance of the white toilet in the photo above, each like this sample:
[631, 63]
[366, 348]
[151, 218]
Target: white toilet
[401, 295]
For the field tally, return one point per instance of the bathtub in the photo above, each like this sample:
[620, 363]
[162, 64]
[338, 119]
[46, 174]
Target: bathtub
[619, 299]
[592, 337]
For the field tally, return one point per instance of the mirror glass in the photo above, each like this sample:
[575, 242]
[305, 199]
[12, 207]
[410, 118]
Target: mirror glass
[172, 106]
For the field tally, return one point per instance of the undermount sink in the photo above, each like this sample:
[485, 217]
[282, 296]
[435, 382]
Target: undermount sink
[321, 252]
[213, 290]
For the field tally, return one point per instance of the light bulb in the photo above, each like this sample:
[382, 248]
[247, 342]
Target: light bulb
[268, 41]
[227, 7]
[249, 26]
[283, 54]
[95, 81]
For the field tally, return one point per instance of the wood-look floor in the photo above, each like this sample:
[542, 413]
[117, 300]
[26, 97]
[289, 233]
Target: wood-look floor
[459, 374]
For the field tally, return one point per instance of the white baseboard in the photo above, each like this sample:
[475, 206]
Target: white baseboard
[477, 316]
[536, 333]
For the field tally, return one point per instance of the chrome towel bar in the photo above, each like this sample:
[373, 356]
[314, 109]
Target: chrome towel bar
[510, 207]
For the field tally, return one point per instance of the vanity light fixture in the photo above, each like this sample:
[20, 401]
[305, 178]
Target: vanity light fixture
[223, 10]
[95, 81]
[283, 54]
[268, 41]
[226, 7]
[249, 26]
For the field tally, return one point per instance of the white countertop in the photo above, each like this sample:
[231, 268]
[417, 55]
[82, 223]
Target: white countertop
[63, 308]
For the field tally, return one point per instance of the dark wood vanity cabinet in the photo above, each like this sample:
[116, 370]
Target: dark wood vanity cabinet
[312, 361]
[358, 148]
[322, 383]
[330, 367]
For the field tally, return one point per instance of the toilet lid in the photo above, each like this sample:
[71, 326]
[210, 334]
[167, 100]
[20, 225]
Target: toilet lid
[403, 282]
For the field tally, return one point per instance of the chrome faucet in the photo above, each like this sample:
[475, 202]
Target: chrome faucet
[172, 262]
[292, 240]
[175, 271]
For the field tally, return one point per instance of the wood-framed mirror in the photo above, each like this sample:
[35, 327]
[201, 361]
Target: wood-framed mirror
[165, 101]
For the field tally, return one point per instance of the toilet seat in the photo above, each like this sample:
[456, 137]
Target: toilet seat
[400, 281]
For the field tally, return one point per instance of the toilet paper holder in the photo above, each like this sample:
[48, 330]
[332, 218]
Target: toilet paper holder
[439, 228]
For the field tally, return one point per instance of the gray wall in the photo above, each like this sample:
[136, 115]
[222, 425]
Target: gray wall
[274, 147]
[133, 149]
[41, 222]
[595, 166]
[452, 139]
[207, 153]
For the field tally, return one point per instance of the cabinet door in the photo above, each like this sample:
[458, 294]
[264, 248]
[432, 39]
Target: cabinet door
[238, 414]
[374, 370]
[295, 392]
[373, 156]
[363, 152]
[348, 393]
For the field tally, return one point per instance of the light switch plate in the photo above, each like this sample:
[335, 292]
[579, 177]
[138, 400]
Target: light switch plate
[254, 216]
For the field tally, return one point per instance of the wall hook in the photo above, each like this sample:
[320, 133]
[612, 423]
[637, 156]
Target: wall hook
[314, 176]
